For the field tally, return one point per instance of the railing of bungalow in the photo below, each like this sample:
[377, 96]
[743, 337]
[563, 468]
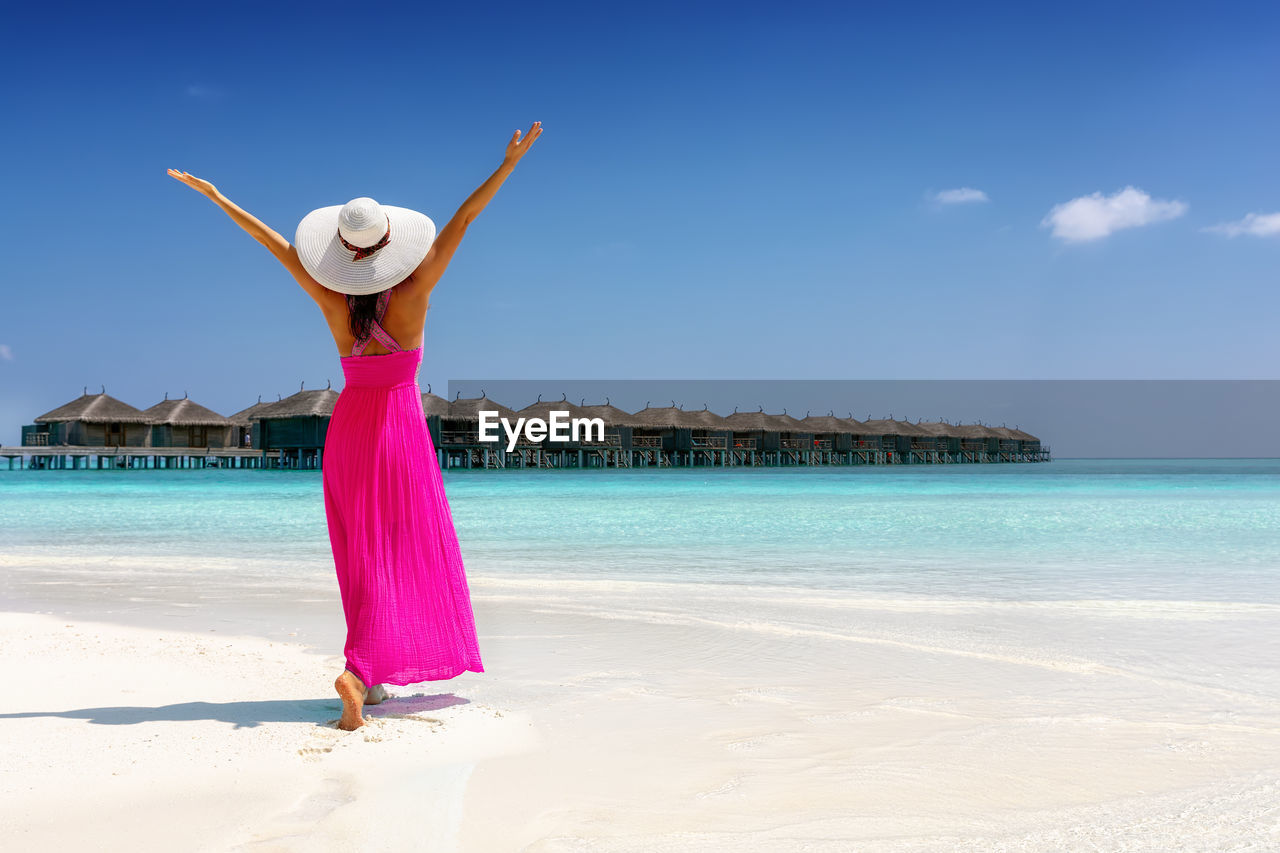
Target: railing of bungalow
[611, 439]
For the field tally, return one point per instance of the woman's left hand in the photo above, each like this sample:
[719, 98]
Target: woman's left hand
[518, 147]
[199, 185]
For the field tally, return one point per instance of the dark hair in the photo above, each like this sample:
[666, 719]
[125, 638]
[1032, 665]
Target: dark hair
[360, 313]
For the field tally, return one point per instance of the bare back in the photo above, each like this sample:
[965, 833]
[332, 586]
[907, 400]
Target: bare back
[404, 319]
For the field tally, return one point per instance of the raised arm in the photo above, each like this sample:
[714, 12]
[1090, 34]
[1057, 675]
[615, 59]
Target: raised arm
[277, 245]
[446, 242]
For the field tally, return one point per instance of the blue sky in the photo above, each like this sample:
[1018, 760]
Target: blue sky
[846, 190]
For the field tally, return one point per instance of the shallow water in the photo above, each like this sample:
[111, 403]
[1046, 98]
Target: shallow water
[1071, 529]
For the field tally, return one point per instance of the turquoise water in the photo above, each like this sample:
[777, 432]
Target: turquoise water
[1070, 529]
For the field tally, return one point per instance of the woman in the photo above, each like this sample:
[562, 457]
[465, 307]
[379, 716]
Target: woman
[371, 268]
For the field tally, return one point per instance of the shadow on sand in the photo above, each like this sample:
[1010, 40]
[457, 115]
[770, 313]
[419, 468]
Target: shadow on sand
[248, 714]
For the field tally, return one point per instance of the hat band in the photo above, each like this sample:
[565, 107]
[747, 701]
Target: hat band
[366, 251]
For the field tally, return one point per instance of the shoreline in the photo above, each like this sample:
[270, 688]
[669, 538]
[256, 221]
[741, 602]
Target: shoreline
[641, 715]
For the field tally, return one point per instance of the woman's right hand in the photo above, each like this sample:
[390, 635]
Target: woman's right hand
[517, 147]
[198, 184]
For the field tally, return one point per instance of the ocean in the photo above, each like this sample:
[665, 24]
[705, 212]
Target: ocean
[1129, 529]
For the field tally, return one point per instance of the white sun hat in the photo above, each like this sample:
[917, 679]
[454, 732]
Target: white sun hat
[363, 247]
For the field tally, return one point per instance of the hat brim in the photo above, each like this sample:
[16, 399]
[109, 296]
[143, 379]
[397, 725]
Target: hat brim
[329, 262]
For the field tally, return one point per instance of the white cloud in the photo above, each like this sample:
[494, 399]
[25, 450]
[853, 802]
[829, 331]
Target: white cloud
[963, 195]
[1254, 224]
[5, 352]
[1092, 217]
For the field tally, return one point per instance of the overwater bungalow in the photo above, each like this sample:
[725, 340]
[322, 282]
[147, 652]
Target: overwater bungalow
[246, 429]
[946, 439]
[1008, 445]
[615, 450]
[185, 423]
[1015, 445]
[755, 438]
[671, 435]
[708, 436]
[834, 440]
[829, 432]
[542, 409]
[91, 420]
[977, 444]
[1029, 446]
[795, 440]
[653, 436]
[460, 444]
[894, 437]
[567, 452]
[865, 439]
[435, 409]
[924, 444]
[293, 429]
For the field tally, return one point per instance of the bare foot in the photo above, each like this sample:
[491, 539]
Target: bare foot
[376, 694]
[352, 693]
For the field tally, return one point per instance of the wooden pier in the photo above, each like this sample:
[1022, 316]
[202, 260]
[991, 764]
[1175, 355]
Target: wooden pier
[66, 457]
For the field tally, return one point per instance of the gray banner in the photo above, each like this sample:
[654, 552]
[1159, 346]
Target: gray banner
[1097, 418]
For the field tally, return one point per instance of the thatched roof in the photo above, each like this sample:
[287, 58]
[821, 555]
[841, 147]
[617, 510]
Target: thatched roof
[468, 410]
[1013, 434]
[889, 426]
[856, 427]
[612, 415]
[763, 422]
[831, 424]
[184, 412]
[245, 417]
[543, 409]
[659, 417]
[786, 423]
[827, 424]
[304, 404]
[940, 428]
[434, 405]
[674, 417]
[94, 409]
[974, 431]
[704, 418]
[750, 422]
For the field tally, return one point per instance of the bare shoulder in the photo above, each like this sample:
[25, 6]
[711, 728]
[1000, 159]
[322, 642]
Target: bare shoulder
[428, 273]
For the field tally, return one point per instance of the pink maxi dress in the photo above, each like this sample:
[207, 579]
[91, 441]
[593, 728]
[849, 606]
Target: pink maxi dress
[404, 589]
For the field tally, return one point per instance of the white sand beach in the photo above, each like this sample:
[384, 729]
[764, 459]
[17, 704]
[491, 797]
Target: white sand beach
[662, 717]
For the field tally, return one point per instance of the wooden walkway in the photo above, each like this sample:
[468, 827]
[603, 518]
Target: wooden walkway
[74, 457]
